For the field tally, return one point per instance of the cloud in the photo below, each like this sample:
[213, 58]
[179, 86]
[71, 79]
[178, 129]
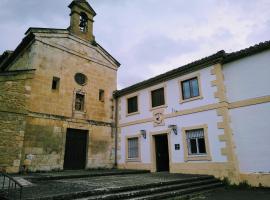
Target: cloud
[149, 37]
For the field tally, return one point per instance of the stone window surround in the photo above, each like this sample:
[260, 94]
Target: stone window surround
[138, 103]
[159, 86]
[74, 99]
[139, 148]
[205, 157]
[187, 77]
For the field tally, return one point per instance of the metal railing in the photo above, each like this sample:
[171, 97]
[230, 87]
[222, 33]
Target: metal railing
[9, 187]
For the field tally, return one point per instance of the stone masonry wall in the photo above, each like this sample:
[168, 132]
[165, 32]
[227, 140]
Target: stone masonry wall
[14, 92]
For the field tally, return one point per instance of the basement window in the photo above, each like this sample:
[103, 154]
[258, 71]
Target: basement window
[101, 95]
[55, 83]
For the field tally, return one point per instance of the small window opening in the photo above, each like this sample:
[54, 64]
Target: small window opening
[79, 102]
[83, 22]
[55, 83]
[101, 95]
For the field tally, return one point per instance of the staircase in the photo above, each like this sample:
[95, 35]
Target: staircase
[161, 190]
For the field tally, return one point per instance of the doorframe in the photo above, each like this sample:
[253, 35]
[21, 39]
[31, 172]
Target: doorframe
[153, 148]
[83, 128]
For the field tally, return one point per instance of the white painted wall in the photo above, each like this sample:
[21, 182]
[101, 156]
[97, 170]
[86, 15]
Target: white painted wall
[173, 97]
[251, 129]
[248, 77]
[208, 117]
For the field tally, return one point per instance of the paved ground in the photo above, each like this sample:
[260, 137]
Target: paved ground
[235, 194]
[67, 186]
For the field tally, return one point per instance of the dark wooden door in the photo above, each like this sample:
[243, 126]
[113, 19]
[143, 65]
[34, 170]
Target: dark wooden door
[162, 153]
[75, 150]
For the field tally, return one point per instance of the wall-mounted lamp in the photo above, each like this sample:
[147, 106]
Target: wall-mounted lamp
[174, 128]
[143, 133]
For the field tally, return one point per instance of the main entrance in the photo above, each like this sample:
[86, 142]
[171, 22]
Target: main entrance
[162, 152]
[76, 148]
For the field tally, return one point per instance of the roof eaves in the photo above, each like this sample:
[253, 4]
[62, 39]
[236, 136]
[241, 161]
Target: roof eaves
[247, 52]
[24, 43]
[107, 53]
[44, 30]
[199, 64]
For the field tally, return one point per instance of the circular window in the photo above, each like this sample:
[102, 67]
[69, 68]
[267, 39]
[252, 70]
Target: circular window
[80, 78]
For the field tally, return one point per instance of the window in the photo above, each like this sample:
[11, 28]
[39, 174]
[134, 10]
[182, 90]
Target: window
[80, 78]
[101, 95]
[158, 98]
[133, 148]
[195, 142]
[83, 22]
[190, 88]
[79, 102]
[132, 104]
[55, 83]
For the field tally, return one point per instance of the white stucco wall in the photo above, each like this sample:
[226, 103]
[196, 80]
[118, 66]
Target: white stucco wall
[177, 156]
[251, 130]
[172, 97]
[248, 77]
[172, 100]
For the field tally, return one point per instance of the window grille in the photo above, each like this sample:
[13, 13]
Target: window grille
[133, 148]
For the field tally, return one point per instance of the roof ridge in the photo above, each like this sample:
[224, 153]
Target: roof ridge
[247, 51]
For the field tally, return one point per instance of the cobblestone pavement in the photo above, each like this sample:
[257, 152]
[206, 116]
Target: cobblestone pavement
[234, 194]
[66, 186]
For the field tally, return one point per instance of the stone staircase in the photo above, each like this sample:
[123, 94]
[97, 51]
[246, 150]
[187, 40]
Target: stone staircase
[162, 190]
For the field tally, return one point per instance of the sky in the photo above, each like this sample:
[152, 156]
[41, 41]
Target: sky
[148, 37]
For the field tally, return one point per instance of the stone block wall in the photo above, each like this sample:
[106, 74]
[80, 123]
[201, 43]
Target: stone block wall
[14, 92]
[44, 140]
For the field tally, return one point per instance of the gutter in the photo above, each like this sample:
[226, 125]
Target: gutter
[116, 131]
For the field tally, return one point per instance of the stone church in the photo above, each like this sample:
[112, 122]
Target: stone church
[60, 109]
[56, 98]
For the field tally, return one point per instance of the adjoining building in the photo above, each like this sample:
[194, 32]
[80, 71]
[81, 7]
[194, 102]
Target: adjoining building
[211, 116]
[56, 98]
[59, 109]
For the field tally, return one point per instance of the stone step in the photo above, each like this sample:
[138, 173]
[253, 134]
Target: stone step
[128, 189]
[153, 189]
[85, 174]
[182, 193]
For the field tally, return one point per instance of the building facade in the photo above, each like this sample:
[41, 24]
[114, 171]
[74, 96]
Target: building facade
[60, 109]
[56, 99]
[208, 117]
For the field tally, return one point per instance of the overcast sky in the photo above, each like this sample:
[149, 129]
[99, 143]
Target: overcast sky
[148, 37]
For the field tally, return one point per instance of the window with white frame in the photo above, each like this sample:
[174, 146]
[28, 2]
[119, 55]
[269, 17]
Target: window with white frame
[196, 142]
[133, 148]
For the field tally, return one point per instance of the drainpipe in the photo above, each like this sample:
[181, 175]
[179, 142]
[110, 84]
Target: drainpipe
[116, 130]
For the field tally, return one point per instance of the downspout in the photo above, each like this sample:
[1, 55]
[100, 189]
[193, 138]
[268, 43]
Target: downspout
[116, 130]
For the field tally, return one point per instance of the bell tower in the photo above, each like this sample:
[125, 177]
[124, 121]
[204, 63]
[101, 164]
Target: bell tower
[82, 19]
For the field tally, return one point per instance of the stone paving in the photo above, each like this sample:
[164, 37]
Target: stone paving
[66, 186]
[234, 194]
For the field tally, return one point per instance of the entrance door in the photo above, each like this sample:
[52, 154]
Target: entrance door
[162, 152]
[75, 150]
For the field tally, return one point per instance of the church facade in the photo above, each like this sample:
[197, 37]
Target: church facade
[60, 109]
[56, 99]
